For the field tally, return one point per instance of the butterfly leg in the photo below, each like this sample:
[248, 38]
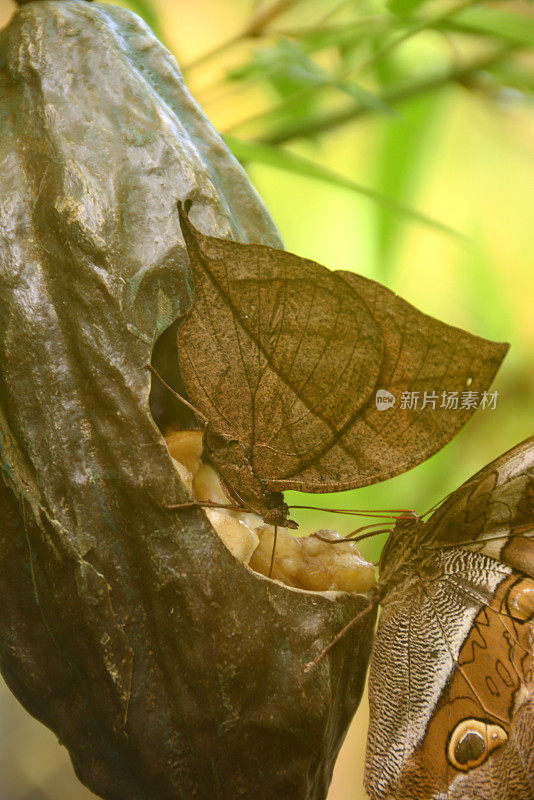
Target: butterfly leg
[274, 550]
[203, 504]
[198, 414]
[372, 604]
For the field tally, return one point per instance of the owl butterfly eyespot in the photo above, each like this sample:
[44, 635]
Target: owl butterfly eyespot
[452, 672]
[472, 741]
[285, 358]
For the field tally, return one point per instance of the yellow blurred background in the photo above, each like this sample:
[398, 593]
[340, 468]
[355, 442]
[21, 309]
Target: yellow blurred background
[461, 154]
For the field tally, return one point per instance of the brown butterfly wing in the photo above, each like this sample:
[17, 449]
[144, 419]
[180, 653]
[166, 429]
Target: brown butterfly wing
[451, 684]
[491, 696]
[421, 355]
[492, 512]
[489, 703]
[284, 358]
[276, 355]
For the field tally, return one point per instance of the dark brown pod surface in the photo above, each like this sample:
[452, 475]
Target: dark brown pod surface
[168, 669]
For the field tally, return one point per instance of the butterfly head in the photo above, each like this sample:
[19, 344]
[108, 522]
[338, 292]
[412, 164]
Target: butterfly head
[277, 511]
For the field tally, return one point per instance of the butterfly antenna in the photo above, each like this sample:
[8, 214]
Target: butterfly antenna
[388, 513]
[352, 537]
[179, 397]
[311, 664]
[369, 535]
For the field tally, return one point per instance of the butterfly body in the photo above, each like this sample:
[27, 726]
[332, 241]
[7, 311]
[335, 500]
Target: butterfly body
[452, 674]
[231, 460]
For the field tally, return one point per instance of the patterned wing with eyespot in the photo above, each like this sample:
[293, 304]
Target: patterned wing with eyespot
[451, 683]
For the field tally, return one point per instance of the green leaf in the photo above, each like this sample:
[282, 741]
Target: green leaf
[404, 8]
[146, 10]
[345, 36]
[298, 82]
[509, 75]
[328, 120]
[517, 28]
[364, 96]
[400, 159]
[293, 75]
[291, 162]
[284, 64]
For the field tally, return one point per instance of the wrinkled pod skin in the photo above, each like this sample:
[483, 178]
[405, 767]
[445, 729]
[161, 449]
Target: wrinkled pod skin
[167, 669]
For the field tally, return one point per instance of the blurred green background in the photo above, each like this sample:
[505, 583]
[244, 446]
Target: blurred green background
[395, 139]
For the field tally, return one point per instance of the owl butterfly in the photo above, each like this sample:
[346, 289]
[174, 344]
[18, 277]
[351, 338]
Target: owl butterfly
[283, 358]
[452, 673]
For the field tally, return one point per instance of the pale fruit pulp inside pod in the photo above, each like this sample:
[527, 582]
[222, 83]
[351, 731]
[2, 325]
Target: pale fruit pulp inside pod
[304, 562]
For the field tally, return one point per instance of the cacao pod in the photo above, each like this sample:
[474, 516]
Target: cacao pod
[167, 668]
